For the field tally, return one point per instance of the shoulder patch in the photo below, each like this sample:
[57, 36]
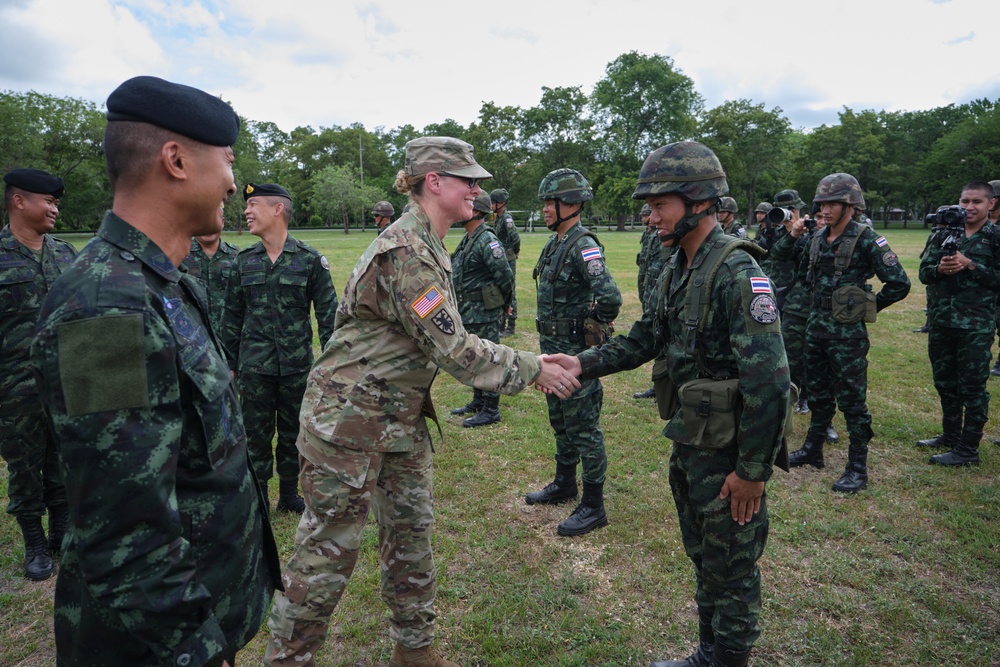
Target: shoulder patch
[881, 242]
[427, 302]
[497, 250]
[595, 267]
[890, 258]
[763, 309]
[444, 322]
[590, 253]
[760, 285]
[322, 262]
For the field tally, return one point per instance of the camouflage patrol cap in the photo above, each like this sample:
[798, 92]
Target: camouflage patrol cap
[645, 211]
[763, 207]
[727, 204]
[687, 168]
[499, 196]
[483, 203]
[443, 155]
[789, 199]
[566, 185]
[383, 209]
[839, 187]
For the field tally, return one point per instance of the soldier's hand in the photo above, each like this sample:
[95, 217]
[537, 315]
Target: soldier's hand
[798, 228]
[571, 364]
[554, 379]
[744, 497]
[952, 264]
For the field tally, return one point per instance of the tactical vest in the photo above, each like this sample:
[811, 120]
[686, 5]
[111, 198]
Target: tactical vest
[560, 255]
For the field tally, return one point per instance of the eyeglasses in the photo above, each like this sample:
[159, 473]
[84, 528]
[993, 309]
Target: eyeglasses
[471, 182]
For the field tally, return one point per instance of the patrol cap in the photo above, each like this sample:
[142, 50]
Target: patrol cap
[35, 180]
[187, 111]
[788, 199]
[264, 190]
[444, 155]
[499, 196]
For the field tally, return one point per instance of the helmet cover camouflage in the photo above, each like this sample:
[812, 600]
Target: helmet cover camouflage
[996, 188]
[728, 204]
[499, 196]
[839, 187]
[763, 207]
[567, 185]
[687, 168]
[645, 211]
[383, 209]
[482, 203]
[789, 199]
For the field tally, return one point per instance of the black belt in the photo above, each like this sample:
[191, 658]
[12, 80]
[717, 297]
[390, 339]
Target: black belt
[560, 327]
[474, 295]
[823, 302]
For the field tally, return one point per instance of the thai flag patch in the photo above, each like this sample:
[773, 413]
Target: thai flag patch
[760, 285]
[495, 244]
[591, 253]
[881, 242]
[430, 300]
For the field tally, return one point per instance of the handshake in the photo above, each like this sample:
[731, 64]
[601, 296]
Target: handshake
[560, 375]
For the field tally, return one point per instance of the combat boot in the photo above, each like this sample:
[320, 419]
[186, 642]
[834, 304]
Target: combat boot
[951, 430]
[649, 393]
[561, 489]
[509, 331]
[965, 453]
[425, 656]
[472, 406]
[802, 407]
[58, 522]
[37, 558]
[724, 657]
[702, 657]
[811, 452]
[831, 434]
[289, 499]
[588, 515]
[855, 477]
[489, 413]
[995, 371]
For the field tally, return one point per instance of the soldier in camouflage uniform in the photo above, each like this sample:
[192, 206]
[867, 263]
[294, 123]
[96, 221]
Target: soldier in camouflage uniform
[577, 301]
[211, 261]
[775, 227]
[383, 212]
[484, 286]
[268, 333]
[30, 261]
[649, 246]
[760, 214]
[995, 220]
[727, 218]
[506, 233]
[169, 557]
[963, 284]
[836, 351]
[718, 487]
[364, 440]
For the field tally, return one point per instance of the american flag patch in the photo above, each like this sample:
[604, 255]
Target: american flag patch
[430, 300]
[495, 244]
[760, 285]
[591, 253]
[881, 242]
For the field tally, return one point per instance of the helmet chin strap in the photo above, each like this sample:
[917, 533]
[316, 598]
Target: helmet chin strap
[687, 223]
[559, 219]
[479, 216]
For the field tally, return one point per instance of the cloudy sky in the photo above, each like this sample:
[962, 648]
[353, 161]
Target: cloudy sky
[389, 63]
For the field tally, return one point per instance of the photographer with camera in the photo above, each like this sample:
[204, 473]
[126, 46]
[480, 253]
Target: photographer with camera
[962, 272]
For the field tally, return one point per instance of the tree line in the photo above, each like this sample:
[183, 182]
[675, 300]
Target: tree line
[910, 161]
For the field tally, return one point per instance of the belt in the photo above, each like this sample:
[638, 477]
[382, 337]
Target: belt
[472, 295]
[824, 302]
[560, 327]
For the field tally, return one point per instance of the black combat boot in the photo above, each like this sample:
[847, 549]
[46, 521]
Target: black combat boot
[965, 453]
[649, 393]
[58, 522]
[588, 515]
[489, 413]
[995, 371]
[831, 434]
[702, 657]
[562, 488]
[951, 430]
[802, 407]
[855, 477]
[289, 499]
[37, 558]
[724, 657]
[472, 406]
[810, 454]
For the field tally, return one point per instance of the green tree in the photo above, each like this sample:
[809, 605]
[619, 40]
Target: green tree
[337, 192]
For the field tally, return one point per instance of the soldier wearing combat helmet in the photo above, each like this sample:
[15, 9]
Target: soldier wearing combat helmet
[734, 350]
[506, 233]
[383, 212]
[727, 218]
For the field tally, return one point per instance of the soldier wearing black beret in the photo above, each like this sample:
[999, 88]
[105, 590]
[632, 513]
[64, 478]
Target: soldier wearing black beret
[169, 557]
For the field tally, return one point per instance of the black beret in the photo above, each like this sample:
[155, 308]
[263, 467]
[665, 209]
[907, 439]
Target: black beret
[264, 190]
[35, 180]
[182, 109]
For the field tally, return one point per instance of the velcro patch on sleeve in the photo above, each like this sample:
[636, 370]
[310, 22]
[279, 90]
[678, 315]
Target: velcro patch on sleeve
[591, 253]
[427, 302]
[102, 364]
[760, 285]
[881, 242]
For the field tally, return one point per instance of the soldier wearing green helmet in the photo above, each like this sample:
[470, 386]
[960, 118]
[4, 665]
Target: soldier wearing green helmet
[835, 268]
[727, 218]
[577, 302]
[506, 233]
[715, 323]
[383, 212]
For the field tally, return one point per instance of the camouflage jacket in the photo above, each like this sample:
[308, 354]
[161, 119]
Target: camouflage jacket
[579, 288]
[642, 259]
[24, 282]
[658, 258]
[506, 233]
[396, 326]
[797, 299]
[479, 261]
[735, 228]
[169, 557]
[872, 256]
[213, 273]
[267, 328]
[782, 270]
[741, 338]
[967, 299]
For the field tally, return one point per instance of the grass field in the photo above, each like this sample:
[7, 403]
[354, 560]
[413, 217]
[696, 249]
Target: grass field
[907, 573]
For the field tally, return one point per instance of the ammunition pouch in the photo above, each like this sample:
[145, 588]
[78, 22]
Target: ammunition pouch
[492, 297]
[666, 391]
[852, 304]
[596, 332]
[711, 410]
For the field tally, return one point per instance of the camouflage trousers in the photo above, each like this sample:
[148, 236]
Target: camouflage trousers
[487, 331]
[724, 553]
[339, 491]
[266, 401]
[26, 444]
[960, 363]
[513, 287]
[838, 376]
[793, 330]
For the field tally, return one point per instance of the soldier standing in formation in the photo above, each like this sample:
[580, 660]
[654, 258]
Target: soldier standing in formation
[837, 266]
[364, 440]
[760, 214]
[169, 557]
[649, 246]
[995, 220]
[727, 218]
[963, 284]
[268, 333]
[717, 483]
[30, 261]
[383, 212]
[484, 286]
[506, 233]
[211, 261]
[577, 301]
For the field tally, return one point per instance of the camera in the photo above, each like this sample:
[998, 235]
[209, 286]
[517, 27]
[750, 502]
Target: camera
[810, 224]
[948, 223]
[778, 215]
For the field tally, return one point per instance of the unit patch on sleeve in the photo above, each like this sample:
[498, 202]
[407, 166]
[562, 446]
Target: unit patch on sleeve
[497, 249]
[444, 322]
[890, 258]
[427, 302]
[763, 309]
[595, 267]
